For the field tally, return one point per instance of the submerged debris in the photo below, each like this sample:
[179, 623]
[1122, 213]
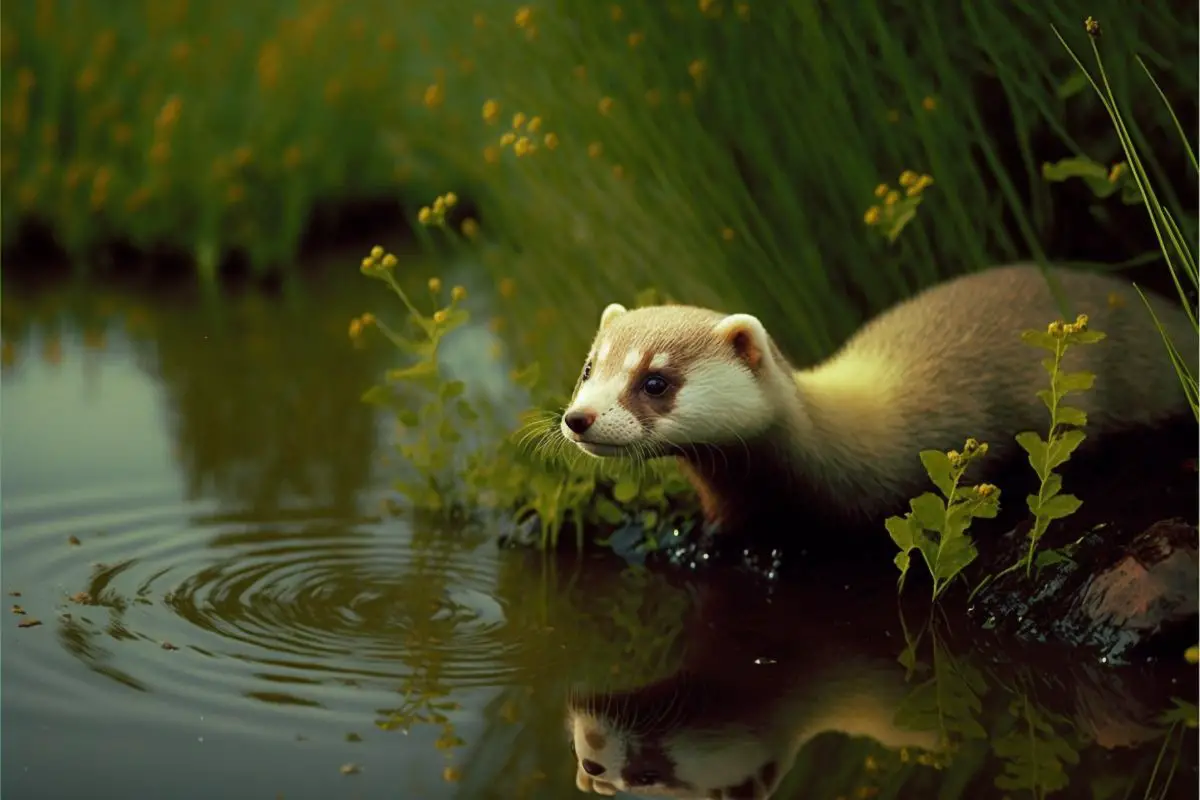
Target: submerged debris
[29, 622]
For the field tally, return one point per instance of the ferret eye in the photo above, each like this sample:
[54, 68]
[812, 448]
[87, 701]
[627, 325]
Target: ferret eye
[655, 385]
[587, 370]
[647, 778]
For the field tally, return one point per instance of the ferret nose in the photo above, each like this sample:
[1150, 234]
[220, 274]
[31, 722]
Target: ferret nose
[579, 421]
[592, 768]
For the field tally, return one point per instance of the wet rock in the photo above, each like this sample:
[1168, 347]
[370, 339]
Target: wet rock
[1122, 596]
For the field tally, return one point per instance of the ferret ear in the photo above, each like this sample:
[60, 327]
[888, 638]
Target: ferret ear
[747, 336]
[611, 312]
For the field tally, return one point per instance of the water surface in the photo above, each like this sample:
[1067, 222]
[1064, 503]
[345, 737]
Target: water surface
[192, 511]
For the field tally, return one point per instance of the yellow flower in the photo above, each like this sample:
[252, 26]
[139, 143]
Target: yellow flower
[595, 149]
[451, 775]
[389, 261]
[605, 105]
[535, 124]
[929, 104]
[433, 96]
[524, 14]
[872, 215]
[908, 178]
[743, 10]
[522, 146]
[1192, 654]
[616, 12]
[1055, 328]
[491, 154]
[636, 38]
[696, 69]
[1117, 170]
[376, 253]
[451, 199]
[424, 216]
[881, 190]
[356, 328]
[368, 264]
[891, 199]
[518, 120]
[507, 139]
[470, 228]
[727, 234]
[368, 319]
[458, 294]
[491, 110]
[439, 205]
[551, 141]
[1092, 26]
[440, 316]
[435, 285]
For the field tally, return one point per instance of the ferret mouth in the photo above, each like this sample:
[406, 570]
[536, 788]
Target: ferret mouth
[600, 450]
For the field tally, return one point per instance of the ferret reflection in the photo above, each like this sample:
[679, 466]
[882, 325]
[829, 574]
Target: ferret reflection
[730, 731]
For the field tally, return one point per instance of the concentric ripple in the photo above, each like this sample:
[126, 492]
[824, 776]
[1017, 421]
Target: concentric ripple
[213, 611]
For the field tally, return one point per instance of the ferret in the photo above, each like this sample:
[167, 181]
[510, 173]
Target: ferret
[838, 442]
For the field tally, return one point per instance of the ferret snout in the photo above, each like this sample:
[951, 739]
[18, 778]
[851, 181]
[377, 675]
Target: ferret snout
[592, 768]
[579, 420]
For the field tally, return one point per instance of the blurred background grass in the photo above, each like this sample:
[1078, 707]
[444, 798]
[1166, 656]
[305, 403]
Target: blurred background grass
[723, 152]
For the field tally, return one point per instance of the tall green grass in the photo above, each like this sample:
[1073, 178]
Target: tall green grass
[1176, 242]
[726, 152]
[722, 151]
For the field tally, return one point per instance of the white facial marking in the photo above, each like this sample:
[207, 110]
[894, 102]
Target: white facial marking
[720, 403]
[614, 426]
[605, 349]
[660, 360]
[632, 359]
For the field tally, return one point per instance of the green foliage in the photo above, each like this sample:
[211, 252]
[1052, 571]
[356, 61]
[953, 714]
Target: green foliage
[1064, 435]
[1134, 183]
[460, 463]
[1102, 181]
[1035, 753]
[937, 526]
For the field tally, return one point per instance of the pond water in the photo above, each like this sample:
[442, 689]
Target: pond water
[192, 513]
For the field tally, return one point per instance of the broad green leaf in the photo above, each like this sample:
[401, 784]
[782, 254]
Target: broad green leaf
[953, 556]
[1051, 486]
[409, 418]
[901, 531]
[1048, 558]
[649, 519]
[903, 214]
[1035, 446]
[937, 466]
[1075, 381]
[901, 561]
[1059, 506]
[1048, 398]
[654, 494]
[1070, 415]
[625, 490]
[929, 511]
[452, 389]
[1040, 339]
[1093, 174]
[1063, 445]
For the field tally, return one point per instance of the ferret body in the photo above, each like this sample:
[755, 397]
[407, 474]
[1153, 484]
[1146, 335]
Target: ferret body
[839, 441]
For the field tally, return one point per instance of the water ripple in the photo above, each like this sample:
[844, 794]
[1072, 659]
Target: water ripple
[147, 590]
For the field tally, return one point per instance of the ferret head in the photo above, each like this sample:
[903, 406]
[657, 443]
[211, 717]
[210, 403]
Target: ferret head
[699, 765]
[662, 379]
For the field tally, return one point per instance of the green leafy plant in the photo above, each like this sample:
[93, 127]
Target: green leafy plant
[458, 464]
[1036, 752]
[937, 526]
[1065, 433]
[1177, 247]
